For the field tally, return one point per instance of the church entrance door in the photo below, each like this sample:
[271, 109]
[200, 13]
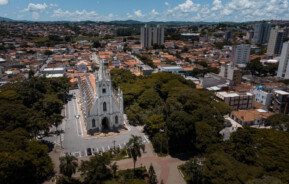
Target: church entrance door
[105, 124]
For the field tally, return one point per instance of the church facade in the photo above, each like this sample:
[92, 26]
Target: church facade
[102, 106]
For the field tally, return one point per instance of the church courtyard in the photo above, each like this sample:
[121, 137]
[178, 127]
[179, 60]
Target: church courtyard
[75, 140]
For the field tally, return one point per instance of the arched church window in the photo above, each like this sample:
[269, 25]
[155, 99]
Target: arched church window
[93, 122]
[116, 120]
[103, 90]
[104, 106]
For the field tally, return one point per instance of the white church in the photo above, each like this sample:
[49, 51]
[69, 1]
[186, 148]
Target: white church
[102, 106]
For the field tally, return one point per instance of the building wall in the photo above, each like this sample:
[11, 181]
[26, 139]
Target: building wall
[283, 68]
[275, 41]
[102, 107]
[241, 54]
[240, 102]
[280, 103]
[261, 33]
[151, 36]
[263, 97]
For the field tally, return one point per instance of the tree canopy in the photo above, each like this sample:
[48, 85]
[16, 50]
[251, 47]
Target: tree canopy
[171, 109]
[27, 110]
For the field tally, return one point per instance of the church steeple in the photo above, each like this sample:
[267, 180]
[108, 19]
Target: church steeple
[102, 73]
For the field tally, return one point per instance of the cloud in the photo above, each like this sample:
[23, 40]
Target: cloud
[138, 13]
[188, 6]
[217, 5]
[154, 13]
[77, 15]
[3, 2]
[36, 7]
[167, 4]
[229, 10]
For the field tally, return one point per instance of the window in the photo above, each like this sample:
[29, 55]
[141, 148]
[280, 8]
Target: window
[104, 106]
[103, 90]
[116, 120]
[93, 122]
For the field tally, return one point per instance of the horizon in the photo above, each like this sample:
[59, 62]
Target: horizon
[145, 11]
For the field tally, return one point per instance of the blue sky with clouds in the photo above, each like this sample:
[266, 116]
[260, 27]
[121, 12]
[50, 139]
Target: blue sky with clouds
[145, 10]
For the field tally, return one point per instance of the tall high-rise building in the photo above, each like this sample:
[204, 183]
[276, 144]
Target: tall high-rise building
[151, 36]
[146, 38]
[241, 54]
[275, 41]
[283, 68]
[158, 35]
[261, 33]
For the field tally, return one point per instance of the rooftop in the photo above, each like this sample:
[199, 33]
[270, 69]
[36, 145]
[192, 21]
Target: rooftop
[224, 94]
[281, 92]
[252, 114]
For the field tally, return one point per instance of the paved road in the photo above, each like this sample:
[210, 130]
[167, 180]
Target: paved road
[74, 140]
[39, 72]
[227, 131]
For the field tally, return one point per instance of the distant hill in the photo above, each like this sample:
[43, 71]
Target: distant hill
[5, 19]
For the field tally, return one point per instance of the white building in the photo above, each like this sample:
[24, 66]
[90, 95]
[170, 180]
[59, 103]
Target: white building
[231, 73]
[283, 68]
[151, 36]
[263, 97]
[275, 41]
[101, 104]
[241, 54]
[171, 69]
[236, 100]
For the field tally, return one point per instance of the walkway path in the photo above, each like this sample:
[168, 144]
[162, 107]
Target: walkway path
[165, 167]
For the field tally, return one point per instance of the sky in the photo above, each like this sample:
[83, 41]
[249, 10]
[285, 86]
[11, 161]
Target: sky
[145, 10]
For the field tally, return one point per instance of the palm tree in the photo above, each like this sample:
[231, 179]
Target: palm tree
[68, 165]
[134, 147]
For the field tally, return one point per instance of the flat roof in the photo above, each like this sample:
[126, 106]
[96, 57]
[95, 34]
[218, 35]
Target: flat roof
[226, 94]
[54, 75]
[190, 34]
[232, 94]
[281, 92]
[54, 69]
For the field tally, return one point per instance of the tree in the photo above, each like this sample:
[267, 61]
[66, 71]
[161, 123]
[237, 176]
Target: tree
[48, 52]
[244, 146]
[152, 175]
[114, 168]
[97, 169]
[134, 147]
[23, 159]
[154, 124]
[67, 180]
[278, 122]
[96, 44]
[68, 165]
[193, 172]
[160, 143]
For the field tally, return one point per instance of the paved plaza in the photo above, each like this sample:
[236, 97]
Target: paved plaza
[75, 140]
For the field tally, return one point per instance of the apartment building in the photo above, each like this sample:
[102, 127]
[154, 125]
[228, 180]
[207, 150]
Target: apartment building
[237, 100]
